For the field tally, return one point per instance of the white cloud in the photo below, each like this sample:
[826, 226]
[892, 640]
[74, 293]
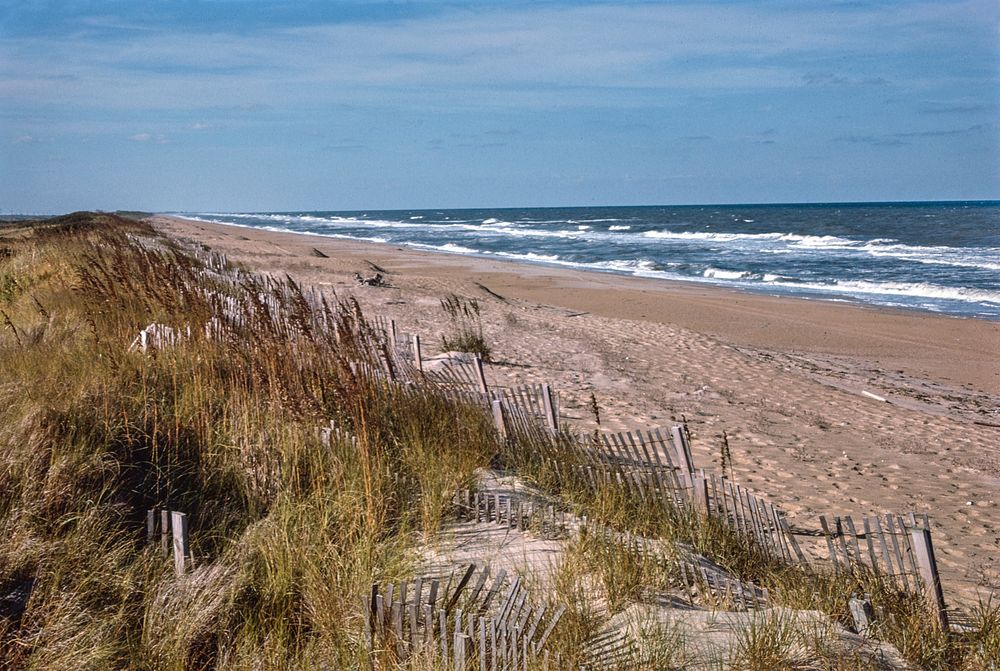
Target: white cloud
[23, 139]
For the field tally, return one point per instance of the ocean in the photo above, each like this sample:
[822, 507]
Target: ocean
[938, 257]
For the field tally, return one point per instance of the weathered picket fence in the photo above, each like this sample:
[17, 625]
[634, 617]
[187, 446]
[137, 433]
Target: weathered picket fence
[895, 547]
[464, 621]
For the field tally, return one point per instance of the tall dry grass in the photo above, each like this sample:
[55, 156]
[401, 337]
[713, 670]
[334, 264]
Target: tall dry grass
[287, 532]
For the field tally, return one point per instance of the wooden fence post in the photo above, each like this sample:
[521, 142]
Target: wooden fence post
[550, 412]
[150, 526]
[178, 522]
[682, 449]
[700, 492]
[459, 650]
[417, 357]
[923, 548]
[481, 376]
[164, 531]
[861, 611]
[498, 418]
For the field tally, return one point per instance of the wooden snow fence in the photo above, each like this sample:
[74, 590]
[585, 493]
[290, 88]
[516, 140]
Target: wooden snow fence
[644, 463]
[460, 374]
[699, 578]
[661, 472]
[513, 511]
[527, 408]
[752, 516]
[471, 624]
[696, 575]
[896, 547]
[655, 467]
[879, 543]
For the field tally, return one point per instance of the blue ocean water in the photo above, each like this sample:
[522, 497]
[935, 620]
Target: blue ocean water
[941, 257]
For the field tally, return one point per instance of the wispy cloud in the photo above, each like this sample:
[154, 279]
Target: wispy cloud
[830, 79]
[955, 107]
[149, 137]
[901, 138]
[977, 129]
[871, 140]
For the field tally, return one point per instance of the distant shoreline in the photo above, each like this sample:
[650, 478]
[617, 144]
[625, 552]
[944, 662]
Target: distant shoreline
[920, 294]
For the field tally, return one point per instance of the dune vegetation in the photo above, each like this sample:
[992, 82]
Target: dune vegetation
[289, 531]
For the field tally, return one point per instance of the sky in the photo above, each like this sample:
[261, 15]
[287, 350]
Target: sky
[242, 105]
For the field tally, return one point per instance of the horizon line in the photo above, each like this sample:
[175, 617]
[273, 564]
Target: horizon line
[976, 201]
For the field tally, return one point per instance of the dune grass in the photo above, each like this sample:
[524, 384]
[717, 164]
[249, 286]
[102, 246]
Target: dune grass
[287, 533]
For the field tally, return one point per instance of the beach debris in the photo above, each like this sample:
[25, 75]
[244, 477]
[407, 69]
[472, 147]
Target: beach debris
[318, 253]
[874, 396]
[375, 280]
[376, 267]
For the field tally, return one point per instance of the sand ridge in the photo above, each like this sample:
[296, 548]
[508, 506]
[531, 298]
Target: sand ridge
[782, 377]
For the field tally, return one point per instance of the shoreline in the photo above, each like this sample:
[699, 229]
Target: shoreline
[866, 294]
[951, 349]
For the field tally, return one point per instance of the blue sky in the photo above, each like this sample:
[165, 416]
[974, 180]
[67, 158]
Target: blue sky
[236, 105]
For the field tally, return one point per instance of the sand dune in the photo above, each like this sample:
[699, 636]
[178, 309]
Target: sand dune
[784, 378]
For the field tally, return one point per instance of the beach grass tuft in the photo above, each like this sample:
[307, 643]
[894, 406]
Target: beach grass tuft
[464, 315]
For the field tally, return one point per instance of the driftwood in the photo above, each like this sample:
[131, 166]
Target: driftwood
[375, 280]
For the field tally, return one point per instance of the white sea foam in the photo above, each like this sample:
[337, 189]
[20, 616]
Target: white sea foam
[925, 290]
[530, 256]
[720, 274]
[984, 258]
[800, 240]
[900, 289]
[447, 247]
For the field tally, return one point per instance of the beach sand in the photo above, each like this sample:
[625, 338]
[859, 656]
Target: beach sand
[783, 377]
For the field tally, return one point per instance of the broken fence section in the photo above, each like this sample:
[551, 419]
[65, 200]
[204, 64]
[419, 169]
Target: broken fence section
[700, 579]
[896, 547]
[468, 622]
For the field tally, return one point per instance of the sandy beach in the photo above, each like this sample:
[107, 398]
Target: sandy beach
[784, 378]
